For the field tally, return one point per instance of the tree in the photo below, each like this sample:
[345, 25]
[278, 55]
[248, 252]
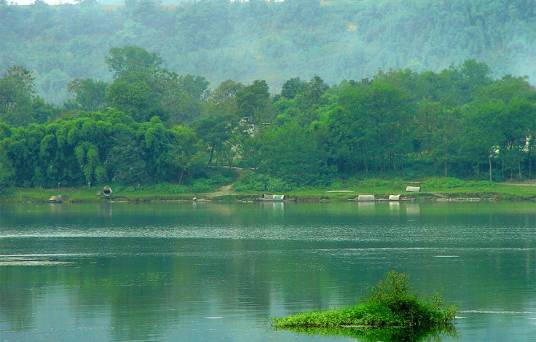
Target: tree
[291, 153]
[439, 131]
[292, 88]
[253, 103]
[89, 95]
[217, 132]
[134, 94]
[16, 96]
[182, 151]
[125, 163]
[181, 96]
[7, 172]
[480, 143]
[132, 59]
[90, 163]
[223, 99]
[369, 127]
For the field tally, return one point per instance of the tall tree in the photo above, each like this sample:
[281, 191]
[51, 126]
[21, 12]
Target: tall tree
[89, 95]
[132, 59]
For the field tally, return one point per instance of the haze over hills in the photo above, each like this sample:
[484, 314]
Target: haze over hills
[274, 41]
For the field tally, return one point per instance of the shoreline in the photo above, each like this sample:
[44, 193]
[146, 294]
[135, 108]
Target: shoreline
[84, 195]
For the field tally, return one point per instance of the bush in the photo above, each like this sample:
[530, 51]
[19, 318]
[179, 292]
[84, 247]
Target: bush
[389, 305]
[453, 183]
[260, 182]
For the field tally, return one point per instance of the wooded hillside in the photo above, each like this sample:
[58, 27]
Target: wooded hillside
[274, 41]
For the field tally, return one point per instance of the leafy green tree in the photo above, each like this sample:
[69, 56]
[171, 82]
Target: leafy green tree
[87, 155]
[312, 92]
[7, 172]
[369, 128]
[480, 143]
[182, 152]
[291, 153]
[125, 163]
[89, 95]
[292, 88]
[132, 59]
[181, 96]
[439, 132]
[223, 99]
[134, 94]
[16, 96]
[254, 103]
[217, 133]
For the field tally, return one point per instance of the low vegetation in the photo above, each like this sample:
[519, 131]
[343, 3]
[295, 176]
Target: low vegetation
[390, 305]
[251, 186]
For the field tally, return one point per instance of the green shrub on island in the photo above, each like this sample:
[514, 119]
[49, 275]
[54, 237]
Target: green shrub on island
[390, 305]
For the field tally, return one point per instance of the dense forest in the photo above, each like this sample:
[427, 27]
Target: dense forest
[270, 40]
[152, 125]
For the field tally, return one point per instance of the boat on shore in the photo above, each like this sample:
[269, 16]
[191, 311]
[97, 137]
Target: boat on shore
[272, 198]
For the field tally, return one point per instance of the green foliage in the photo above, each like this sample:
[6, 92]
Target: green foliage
[7, 172]
[132, 60]
[89, 95]
[453, 183]
[290, 153]
[151, 125]
[99, 147]
[253, 102]
[134, 94]
[259, 183]
[19, 104]
[389, 305]
[237, 40]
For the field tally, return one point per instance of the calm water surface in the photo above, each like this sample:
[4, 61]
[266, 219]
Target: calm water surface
[215, 272]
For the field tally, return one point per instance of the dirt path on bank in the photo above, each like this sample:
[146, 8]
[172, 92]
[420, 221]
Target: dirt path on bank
[226, 190]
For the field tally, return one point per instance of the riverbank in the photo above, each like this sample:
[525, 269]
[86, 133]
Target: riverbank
[436, 189]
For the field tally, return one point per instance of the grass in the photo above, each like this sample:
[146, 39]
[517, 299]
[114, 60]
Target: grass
[209, 188]
[430, 187]
[157, 192]
[390, 308]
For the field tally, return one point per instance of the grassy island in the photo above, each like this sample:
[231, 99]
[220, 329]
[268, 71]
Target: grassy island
[389, 308]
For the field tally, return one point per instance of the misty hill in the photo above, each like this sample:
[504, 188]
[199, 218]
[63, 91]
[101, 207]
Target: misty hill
[218, 39]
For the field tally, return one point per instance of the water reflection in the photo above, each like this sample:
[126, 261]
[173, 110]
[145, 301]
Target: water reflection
[366, 207]
[413, 209]
[158, 272]
[385, 335]
[394, 208]
[275, 206]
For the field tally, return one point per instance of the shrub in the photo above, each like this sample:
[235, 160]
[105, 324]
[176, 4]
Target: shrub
[260, 182]
[389, 305]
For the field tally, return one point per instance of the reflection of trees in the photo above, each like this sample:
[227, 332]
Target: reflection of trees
[146, 294]
[16, 300]
[147, 285]
[387, 335]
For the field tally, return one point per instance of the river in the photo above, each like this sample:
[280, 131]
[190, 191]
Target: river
[219, 272]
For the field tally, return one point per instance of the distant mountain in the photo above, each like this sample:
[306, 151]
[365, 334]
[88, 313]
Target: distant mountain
[258, 39]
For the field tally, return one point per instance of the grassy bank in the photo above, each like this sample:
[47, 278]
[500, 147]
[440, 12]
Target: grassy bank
[390, 306]
[441, 189]
[431, 188]
[160, 192]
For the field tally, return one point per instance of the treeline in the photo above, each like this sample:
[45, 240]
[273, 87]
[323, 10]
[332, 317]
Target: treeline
[258, 39]
[150, 125]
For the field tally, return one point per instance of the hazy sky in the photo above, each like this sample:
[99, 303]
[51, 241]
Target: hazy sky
[50, 2]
